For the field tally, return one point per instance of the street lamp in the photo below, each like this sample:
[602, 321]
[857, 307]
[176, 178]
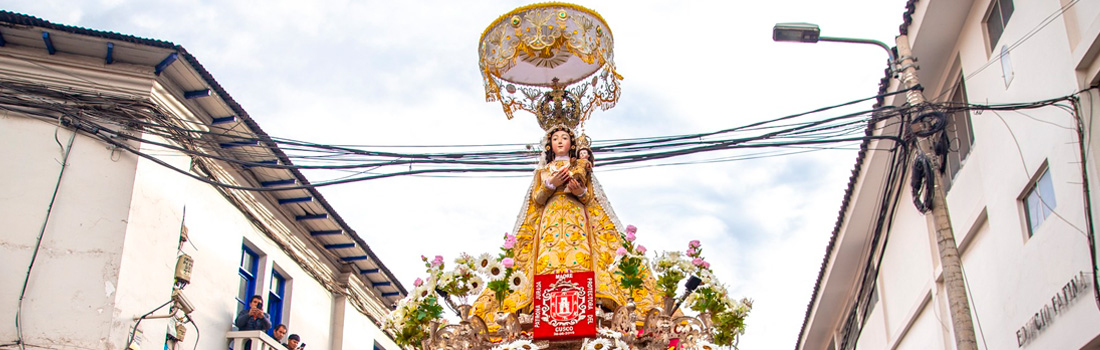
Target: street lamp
[800, 32]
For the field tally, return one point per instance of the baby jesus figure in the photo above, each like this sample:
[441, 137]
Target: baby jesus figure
[582, 166]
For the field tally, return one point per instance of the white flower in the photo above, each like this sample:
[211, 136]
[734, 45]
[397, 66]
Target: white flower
[483, 261]
[476, 284]
[598, 344]
[705, 345]
[461, 270]
[608, 333]
[522, 344]
[517, 280]
[685, 265]
[495, 270]
[423, 291]
[446, 278]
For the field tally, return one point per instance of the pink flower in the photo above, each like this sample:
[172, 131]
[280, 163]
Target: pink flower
[640, 249]
[508, 262]
[630, 229]
[509, 241]
[630, 236]
[438, 260]
[424, 258]
[706, 265]
[697, 262]
[693, 244]
[691, 251]
[621, 251]
[418, 282]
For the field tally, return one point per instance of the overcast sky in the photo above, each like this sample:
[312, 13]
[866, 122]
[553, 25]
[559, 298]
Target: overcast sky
[405, 73]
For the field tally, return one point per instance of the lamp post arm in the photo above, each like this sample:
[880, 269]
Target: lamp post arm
[863, 41]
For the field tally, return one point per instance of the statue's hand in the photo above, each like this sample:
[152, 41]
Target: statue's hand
[560, 177]
[575, 187]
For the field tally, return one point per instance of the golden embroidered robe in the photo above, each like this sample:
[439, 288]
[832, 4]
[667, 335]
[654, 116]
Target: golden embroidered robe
[560, 233]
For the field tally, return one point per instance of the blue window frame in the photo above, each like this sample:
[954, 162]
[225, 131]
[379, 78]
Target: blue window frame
[247, 271]
[275, 300]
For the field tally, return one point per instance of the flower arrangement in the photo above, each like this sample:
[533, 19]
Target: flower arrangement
[412, 315]
[630, 261]
[503, 278]
[711, 297]
[671, 268]
[410, 319]
[462, 281]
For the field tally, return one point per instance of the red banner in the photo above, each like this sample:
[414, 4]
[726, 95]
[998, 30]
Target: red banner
[564, 305]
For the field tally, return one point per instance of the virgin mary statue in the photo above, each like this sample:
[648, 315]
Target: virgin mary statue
[566, 225]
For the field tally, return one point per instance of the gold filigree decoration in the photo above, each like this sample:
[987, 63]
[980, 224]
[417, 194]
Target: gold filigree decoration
[551, 47]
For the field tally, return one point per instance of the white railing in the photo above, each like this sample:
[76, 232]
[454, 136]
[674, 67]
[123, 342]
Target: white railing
[260, 340]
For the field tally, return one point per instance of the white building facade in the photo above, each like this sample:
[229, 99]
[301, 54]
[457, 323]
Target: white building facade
[1018, 194]
[93, 232]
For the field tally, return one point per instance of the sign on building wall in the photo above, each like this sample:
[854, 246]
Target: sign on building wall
[564, 305]
[1058, 304]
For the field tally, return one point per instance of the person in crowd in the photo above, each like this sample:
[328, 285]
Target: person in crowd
[279, 333]
[294, 342]
[253, 318]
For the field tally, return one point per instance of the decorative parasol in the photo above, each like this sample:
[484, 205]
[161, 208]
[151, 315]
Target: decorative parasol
[554, 60]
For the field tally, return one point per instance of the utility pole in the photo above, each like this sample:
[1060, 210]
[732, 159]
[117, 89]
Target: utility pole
[958, 304]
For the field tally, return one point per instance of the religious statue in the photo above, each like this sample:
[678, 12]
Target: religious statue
[556, 61]
[566, 225]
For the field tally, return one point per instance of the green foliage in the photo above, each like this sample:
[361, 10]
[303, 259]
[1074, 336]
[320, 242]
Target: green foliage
[709, 300]
[669, 281]
[500, 288]
[630, 273]
[727, 326]
[415, 330]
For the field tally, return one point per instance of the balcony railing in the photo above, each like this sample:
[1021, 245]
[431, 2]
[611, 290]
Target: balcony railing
[260, 341]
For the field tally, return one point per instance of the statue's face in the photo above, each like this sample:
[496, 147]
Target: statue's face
[559, 143]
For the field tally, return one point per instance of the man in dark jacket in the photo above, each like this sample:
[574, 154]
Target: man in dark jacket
[253, 318]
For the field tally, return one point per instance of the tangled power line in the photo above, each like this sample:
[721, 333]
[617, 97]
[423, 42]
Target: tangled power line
[131, 124]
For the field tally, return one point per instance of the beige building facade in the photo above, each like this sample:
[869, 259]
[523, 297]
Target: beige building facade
[1019, 196]
[110, 145]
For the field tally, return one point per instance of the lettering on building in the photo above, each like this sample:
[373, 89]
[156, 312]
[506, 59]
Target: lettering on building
[1058, 304]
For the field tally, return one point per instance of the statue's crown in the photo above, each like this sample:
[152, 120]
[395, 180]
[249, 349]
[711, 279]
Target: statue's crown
[558, 107]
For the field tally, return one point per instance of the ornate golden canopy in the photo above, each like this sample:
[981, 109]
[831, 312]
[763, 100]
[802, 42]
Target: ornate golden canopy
[554, 60]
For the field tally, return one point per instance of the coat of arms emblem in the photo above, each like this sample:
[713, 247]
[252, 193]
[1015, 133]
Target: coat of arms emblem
[564, 305]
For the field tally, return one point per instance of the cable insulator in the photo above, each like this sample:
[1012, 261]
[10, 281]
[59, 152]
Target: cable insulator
[922, 183]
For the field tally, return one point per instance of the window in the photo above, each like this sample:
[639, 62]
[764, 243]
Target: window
[996, 21]
[247, 271]
[851, 331]
[872, 300]
[959, 133]
[1039, 202]
[275, 300]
